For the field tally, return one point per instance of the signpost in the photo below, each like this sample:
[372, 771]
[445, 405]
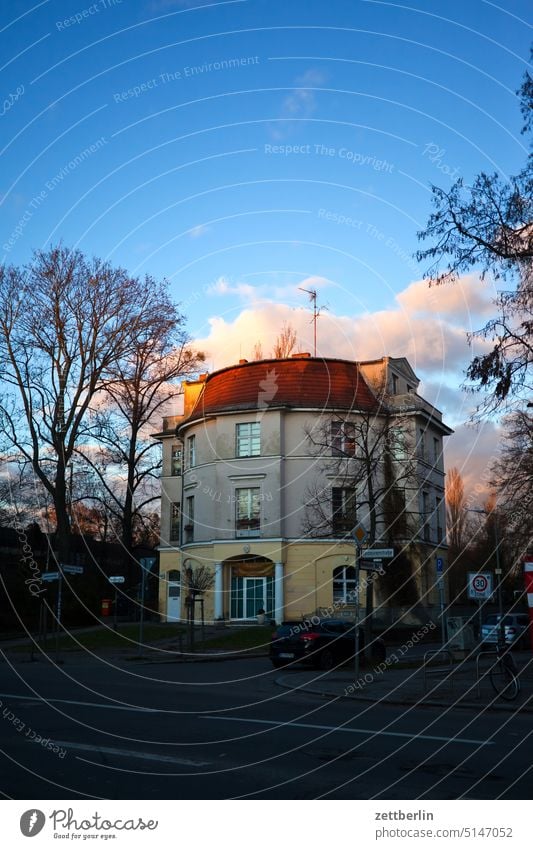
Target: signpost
[480, 589]
[72, 570]
[58, 576]
[439, 566]
[378, 554]
[147, 564]
[360, 535]
[116, 579]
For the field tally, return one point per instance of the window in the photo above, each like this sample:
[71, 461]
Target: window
[421, 444]
[394, 384]
[175, 516]
[343, 514]
[248, 512]
[343, 443]
[438, 514]
[248, 438]
[175, 464]
[188, 519]
[436, 449]
[397, 444]
[344, 584]
[191, 451]
[426, 519]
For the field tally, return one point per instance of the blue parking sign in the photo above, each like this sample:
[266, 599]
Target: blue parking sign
[440, 565]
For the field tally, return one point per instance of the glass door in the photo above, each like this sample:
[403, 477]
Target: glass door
[255, 597]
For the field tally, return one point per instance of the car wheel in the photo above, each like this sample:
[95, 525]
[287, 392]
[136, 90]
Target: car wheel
[326, 659]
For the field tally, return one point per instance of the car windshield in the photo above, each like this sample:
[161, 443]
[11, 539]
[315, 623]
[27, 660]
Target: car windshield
[495, 618]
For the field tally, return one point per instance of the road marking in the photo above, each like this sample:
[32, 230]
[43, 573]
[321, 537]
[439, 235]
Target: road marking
[129, 753]
[344, 728]
[43, 701]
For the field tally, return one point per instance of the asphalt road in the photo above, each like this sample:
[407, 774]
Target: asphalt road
[226, 730]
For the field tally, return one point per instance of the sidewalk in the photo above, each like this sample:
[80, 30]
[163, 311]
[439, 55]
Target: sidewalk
[444, 686]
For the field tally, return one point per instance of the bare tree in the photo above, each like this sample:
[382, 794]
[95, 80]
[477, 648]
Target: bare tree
[257, 352]
[141, 385]
[489, 226]
[65, 322]
[368, 474]
[456, 516]
[369, 456]
[512, 478]
[285, 342]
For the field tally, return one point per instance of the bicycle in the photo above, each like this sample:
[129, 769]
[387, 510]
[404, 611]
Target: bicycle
[503, 674]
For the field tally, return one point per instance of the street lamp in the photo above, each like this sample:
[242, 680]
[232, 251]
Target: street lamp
[498, 570]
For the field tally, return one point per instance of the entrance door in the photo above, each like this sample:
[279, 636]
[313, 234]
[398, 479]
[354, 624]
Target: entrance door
[255, 597]
[173, 602]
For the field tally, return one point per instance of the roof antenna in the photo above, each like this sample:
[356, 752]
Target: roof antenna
[316, 312]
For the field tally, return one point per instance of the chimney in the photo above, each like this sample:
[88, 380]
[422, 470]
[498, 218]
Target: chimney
[242, 362]
[302, 354]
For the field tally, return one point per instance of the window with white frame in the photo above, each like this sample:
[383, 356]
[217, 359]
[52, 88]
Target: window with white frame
[436, 450]
[188, 519]
[175, 461]
[344, 584]
[191, 451]
[343, 510]
[175, 520]
[248, 439]
[397, 443]
[248, 511]
[343, 441]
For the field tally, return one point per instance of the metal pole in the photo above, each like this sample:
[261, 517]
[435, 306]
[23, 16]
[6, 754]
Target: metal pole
[356, 635]
[441, 598]
[58, 610]
[115, 610]
[141, 619]
[498, 570]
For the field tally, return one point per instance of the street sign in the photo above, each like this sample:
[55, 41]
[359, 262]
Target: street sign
[148, 563]
[117, 579]
[72, 570]
[479, 585]
[49, 576]
[371, 566]
[378, 553]
[360, 534]
[440, 565]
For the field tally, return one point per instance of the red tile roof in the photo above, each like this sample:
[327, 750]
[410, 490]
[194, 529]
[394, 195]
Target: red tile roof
[296, 383]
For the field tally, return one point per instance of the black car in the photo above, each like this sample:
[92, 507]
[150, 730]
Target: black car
[325, 644]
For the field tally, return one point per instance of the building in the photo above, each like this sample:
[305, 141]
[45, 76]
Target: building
[267, 471]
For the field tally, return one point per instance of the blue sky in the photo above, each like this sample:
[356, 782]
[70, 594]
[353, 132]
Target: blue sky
[244, 149]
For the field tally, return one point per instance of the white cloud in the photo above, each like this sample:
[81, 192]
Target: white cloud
[300, 103]
[199, 230]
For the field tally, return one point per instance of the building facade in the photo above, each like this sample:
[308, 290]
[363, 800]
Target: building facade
[270, 467]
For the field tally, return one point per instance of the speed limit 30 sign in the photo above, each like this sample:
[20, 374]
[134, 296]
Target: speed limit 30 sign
[479, 585]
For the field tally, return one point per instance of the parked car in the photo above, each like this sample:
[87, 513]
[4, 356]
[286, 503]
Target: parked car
[516, 627]
[324, 645]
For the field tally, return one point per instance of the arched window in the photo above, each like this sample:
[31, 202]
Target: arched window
[344, 584]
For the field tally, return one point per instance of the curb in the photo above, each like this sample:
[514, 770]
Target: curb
[421, 703]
